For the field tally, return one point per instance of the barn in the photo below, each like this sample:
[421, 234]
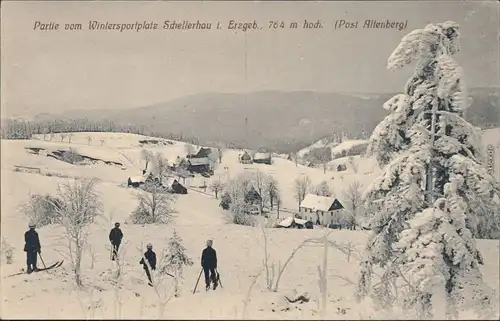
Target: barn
[177, 188]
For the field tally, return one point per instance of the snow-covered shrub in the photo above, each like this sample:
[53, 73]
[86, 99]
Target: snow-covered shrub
[79, 206]
[225, 201]
[174, 260]
[435, 194]
[71, 156]
[42, 209]
[7, 251]
[153, 207]
[240, 213]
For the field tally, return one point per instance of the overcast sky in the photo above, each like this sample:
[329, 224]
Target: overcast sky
[55, 71]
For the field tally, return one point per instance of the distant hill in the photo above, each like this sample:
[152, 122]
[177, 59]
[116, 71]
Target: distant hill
[282, 121]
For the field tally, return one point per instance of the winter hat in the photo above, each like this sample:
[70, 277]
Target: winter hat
[117, 224]
[209, 242]
[149, 246]
[32, 224]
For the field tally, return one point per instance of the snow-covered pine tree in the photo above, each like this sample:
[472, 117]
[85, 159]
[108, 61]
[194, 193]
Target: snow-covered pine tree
[435, 195]
[175, 259]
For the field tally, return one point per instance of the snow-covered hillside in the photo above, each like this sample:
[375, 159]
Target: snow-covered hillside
[338, 149]
[198, 217]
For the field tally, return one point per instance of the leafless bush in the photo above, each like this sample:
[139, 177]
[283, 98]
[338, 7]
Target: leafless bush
[71, 156]
[89, 140]
[269, 268]
[163, 292]
[147, 156]
[7, 251]
[354, 165]
[322, 189]
[354, 203]
[102, 142]
[302, 185]
[247, 298]
[63, 135]
[80, 205]
[42, 209]
[154, 207]
[217, 186]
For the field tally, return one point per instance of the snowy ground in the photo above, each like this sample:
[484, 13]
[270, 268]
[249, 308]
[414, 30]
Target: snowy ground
[240, 249]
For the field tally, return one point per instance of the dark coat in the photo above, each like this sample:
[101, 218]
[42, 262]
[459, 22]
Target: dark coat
[209, 258]
[31, 242]
[115, 235]
[151, 257]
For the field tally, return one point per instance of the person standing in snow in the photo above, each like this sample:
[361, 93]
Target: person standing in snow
[32, 247]
[151, 258]
[115, 237]
[209, 264]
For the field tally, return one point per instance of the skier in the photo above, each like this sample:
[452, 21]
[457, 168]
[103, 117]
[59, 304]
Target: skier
[209, 264]
[151, 257]
[32, 247]
[115, 237]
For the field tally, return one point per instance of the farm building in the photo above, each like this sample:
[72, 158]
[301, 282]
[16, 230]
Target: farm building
[252, 196]
[292, 222]
[200, 162]
[262, 158]
[341, 167]
[177, 188]
[136, 181]
[320, 209]
[198, 165]
[246, 158]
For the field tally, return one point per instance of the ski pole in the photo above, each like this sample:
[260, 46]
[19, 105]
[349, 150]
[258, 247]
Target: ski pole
[41, 258]
[199, 276]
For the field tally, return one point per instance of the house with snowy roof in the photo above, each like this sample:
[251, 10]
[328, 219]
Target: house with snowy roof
[262, 158]
[321, 210]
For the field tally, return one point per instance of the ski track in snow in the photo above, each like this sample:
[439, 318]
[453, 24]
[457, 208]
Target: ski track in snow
[52, 294]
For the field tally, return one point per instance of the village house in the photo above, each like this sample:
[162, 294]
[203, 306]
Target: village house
[200, 162]
[321, 210]
[262, 158]
[245, 158]
[175, 187]
[293, 222]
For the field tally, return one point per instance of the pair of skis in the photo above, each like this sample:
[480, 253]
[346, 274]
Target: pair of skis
[53, 266]
[219, 282]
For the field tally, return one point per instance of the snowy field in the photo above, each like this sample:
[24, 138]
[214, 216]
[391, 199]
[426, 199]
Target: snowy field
[52, 294]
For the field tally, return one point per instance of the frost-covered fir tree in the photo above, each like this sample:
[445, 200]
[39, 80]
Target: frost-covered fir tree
[175, 259]
[434, 195]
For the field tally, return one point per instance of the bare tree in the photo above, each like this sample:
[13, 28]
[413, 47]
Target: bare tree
[322, 189]
[302, 186]
[161, 166]
[213, 157]
[147, 156]
[354, 202]
[354, 165]
[273, 191]
[70, 135]
[89, 140]
[63, 135]
[217, 186]
[80, 204]
[154, 207]
[51, 136]
[259, 182]
[102, 142]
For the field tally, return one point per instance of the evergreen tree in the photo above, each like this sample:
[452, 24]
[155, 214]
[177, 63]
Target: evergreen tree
[175, 259]
[435, 193]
